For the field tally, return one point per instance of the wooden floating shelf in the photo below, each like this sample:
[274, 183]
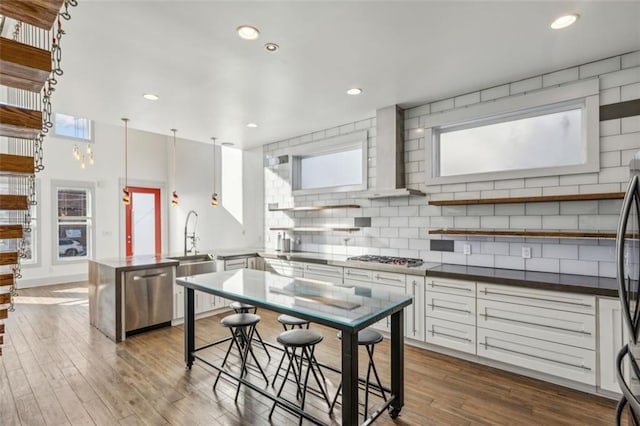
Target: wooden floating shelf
[316, 229]
[537, 199]
[314, 208]
[525, 233]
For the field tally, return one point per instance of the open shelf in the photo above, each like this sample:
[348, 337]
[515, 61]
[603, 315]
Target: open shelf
[316, 229]
[314, 208]
[525, 233]
[537, 199]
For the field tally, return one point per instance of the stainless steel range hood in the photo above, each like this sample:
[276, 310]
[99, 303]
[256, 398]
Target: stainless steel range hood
[390, 178]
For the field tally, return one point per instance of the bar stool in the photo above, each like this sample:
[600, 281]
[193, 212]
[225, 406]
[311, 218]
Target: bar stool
[306, 340]
[242, 327]
[243, 308]
[367, 338]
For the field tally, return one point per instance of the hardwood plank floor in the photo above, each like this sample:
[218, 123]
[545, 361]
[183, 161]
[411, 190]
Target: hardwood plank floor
[57, 369]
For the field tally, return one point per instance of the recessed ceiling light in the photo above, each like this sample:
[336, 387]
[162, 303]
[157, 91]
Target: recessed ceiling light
[227, 144]
[271, 47]
[564, 21]
[354, 91]
[248, 32]
[252, 125]
[151, 96]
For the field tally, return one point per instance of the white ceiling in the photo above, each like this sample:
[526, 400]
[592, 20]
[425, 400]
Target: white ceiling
[212, 83]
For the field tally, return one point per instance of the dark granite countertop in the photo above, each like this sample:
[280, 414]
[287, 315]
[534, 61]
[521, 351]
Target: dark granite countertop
[584, 284]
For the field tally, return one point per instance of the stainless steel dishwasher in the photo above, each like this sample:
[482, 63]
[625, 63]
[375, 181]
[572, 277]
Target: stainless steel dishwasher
[148, 297]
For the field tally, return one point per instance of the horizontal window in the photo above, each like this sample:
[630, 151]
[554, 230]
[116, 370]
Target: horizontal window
[70, 126]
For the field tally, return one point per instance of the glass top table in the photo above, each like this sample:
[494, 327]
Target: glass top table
[343, 307]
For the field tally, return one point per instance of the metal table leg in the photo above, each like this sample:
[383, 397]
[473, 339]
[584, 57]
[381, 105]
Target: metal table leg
[397, 363]
[189, 327]
[349, 378]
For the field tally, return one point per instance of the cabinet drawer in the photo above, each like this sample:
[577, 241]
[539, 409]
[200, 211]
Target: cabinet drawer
[453, 335]
[544, 298]
[562, 327]
[232, 265]
[445, 285]
[568, 362]
[451, 307]
[388, 278]
[314, 268]
[358, 274]
[289, 269]
[323, 278]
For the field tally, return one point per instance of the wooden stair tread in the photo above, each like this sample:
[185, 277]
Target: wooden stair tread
[23, 66]
[6, 280]
[39, 13]
[4, 313]
[8, 257]
[16, 122]
[13, 202]
[10, 231]
[5, 298]
[1, 328]
[16, 164]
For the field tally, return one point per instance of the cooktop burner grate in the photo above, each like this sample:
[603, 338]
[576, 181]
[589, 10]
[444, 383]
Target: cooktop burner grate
[389, 260]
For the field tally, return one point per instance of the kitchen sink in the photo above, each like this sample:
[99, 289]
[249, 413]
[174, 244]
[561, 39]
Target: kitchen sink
[194, 264]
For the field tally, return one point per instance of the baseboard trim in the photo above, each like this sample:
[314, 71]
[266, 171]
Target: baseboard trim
[45, 281]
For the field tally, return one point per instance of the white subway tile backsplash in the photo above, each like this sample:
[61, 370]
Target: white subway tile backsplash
[508, 262]
[597, 253]
[416, 244]
[389, 232]
[441, 222]
[541, 181]
[579, 207]
[466, 222]
[610, 127]
[560, 222]
[620, 78]
[607, 269]
[494, 222]
[515, 209]
[454, 210]
[480, 210]
[509, 183]
[484, 260]
[442, 105]
[559, 77]
[525, 192]
[560, 251]
[600, 67]
[525, 222]
[619, 142]
[631, 60]
[480, 186]
[399, 222]
[525, 85]
[496, 193]
[609, 206]
[610, 159]
[578, 267]
[581, 179]
[494, 248]
[610, 96]
[630, 92]
[515, 248]
[598, 222]
[430, 210]
[494, 93]
[560, 190]
[409, 232]
[601, 187]
[542, 264]
[549, 208]
[468, 99]
[456, 258]
[631, 124]
[613, 174]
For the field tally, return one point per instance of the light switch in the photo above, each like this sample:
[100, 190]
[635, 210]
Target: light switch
[466, 249]
[526, 252]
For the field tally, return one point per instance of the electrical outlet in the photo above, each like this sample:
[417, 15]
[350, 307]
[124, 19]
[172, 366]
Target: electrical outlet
[526, 252]
[466, 249]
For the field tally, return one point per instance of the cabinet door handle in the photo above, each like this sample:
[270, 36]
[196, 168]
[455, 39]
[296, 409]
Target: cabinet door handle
[464, 339]
[446, 308]
[414, 307]
[355, 274]
[487, 346]
[542, 299]
[378, 277]
[487, 317]
[432, 285]
[321, 270]
[142, 277]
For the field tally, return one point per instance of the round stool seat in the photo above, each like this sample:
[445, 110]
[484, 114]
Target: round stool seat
[289, 320]
[299, 338]
[240, 320]
[366, 337]
[237, 306]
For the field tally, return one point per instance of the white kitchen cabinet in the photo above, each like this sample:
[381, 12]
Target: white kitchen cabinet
[449, 286]
[256, 263]
[450, 334]
[450, 307]
[178, 301]
[326, 273]
[414, 313]
[610, 333]
[235, 264]
[284, 267]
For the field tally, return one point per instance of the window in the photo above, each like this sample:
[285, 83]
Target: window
[549, 132]
[70, 126]
[336, 164]
[74, 221]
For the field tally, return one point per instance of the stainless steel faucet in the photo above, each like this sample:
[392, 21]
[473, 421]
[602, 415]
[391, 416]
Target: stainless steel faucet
[191, 236]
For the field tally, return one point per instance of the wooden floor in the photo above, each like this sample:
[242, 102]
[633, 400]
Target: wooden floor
[56, 369]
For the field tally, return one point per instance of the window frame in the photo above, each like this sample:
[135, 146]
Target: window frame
[584, 94]
[57, 185]
[348, 142]
[73, 138]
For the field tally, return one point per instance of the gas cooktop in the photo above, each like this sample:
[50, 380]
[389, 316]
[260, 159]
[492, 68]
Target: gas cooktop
[389, 260]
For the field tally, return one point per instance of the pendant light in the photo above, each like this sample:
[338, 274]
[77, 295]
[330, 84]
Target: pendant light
[174, 194]
[214, 195]
[126, 197]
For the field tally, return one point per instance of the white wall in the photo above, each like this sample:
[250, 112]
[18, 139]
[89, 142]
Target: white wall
[400, 226]
[149, 164]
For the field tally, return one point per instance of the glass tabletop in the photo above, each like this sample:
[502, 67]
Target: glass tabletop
[342, 305]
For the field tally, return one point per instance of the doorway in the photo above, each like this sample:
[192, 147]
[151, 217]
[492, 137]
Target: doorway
[143, 225]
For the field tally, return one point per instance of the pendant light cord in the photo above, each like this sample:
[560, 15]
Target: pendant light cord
[174, 159]
[214, 165]
[126, 152]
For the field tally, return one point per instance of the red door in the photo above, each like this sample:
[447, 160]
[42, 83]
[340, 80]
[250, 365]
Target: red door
[142, 218]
